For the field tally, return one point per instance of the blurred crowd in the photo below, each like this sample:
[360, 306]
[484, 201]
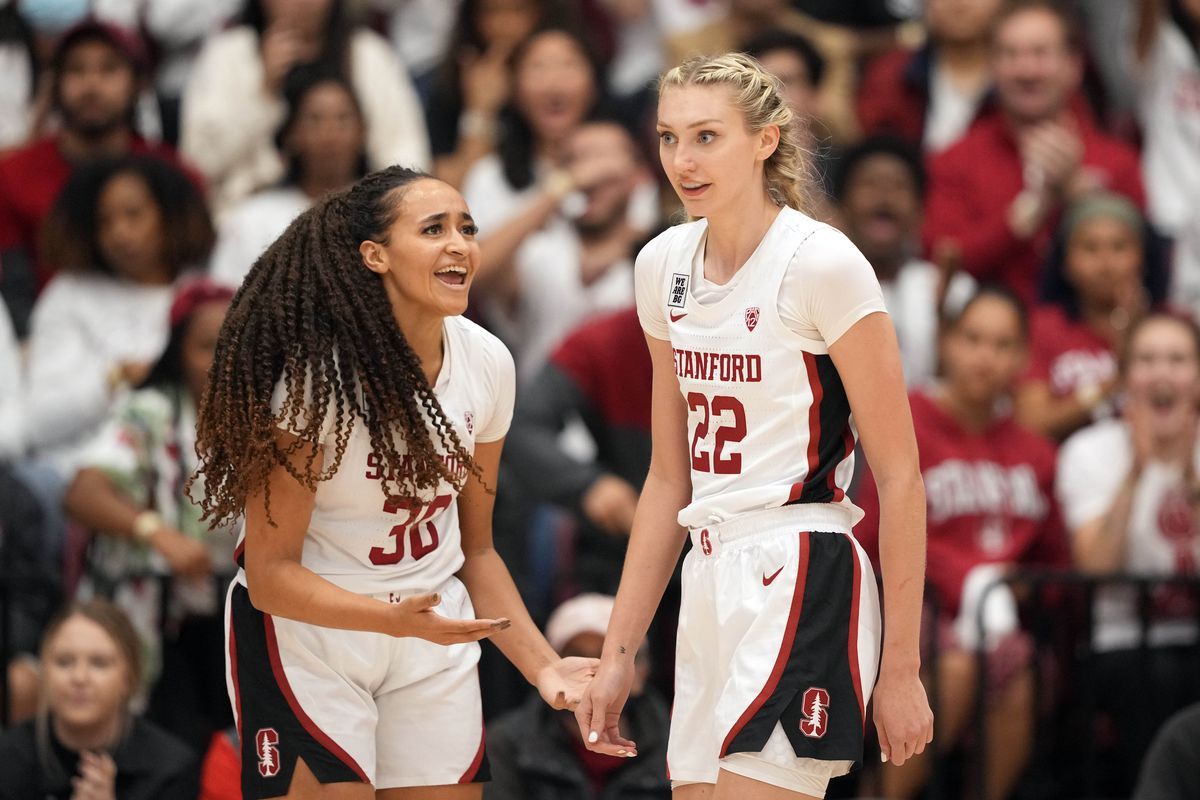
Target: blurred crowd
[1023, 175]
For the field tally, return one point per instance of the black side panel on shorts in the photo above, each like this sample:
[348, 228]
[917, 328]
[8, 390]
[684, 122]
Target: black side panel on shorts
[272, 736]
[815, 698]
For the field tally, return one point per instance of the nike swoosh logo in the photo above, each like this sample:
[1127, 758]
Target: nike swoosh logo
[676, 317]
[767, 581]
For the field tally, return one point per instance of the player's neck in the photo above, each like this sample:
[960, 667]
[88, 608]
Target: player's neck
[733, 238]
[424, 335]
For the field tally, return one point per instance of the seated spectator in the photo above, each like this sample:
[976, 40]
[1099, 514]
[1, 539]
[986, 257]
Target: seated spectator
[95, 74]
[85, 742]
[124, 230]
[534, 179]
[1106, 269]
[130, 489]
[600, 374]
[323, 139]
[989, 487]
[537, 752]
[1128, 492]
[1172, 767]
[1167, 47]
[995, 197]
[234, 102]
[879, 189]
[930, 96]
[472, 84]
[747, 19]
[576, 266]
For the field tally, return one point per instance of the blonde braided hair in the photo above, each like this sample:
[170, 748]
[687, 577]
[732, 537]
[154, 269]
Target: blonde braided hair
[759, 96]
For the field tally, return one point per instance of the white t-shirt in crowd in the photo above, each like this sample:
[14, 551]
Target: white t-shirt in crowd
[359, 540]
[12, 390]
[82, 326]
[250, 228]
[951, 111]
[1169, 109]
[911, 300]
[1163, 534]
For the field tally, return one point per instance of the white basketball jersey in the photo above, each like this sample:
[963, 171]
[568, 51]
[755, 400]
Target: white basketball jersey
[364, 542]
[769, 423]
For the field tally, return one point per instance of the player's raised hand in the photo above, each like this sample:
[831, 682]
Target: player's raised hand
[415, 617]
[562, 683]
[902, 716]
[599, 710]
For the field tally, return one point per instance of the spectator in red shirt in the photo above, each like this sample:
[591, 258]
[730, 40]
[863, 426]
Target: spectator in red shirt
[930, 96]
[1107, 267]
[995, 197]
[97, 70]
[989, 485]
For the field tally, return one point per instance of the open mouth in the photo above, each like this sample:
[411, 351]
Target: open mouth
[693, 188]
[452, 276]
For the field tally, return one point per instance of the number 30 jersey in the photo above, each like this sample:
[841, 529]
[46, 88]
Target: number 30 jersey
[359, 539]
[768, 419]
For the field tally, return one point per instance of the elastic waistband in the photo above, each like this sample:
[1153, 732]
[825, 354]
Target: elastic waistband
[824, 517]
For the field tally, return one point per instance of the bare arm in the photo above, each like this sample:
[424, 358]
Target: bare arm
[497, 249]
[280, 585]
[867, 358]
[654, 547]
[1056, 417]
[1099, 546]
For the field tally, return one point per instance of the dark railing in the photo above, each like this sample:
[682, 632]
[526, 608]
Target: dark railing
[1048, 628]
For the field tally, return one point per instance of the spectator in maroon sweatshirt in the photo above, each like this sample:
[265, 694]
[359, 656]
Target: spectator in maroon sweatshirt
[97, 70]
[989, 484]
[996, 196]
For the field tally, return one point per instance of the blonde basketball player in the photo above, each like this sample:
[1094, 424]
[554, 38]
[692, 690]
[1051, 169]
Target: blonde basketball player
[358, 421]
[771, 351]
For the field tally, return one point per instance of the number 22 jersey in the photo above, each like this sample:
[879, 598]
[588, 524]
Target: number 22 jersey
[769, 423]
[363, 542]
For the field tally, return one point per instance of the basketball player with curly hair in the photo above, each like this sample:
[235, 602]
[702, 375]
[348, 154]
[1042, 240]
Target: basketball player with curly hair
[356, 420]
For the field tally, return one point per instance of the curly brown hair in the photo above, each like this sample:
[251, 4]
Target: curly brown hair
[310, 311]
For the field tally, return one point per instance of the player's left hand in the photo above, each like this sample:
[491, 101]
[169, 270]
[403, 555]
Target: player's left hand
[902, 716]
[561, 684]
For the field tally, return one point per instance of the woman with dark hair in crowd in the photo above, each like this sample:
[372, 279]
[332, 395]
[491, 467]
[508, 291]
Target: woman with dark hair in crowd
[989, 488]
[323, 138]
[1107, 268]
[472, 83]
[234, 99]
[1129, 493]
[123, 231]
[85, 742]
[357, 419]
[130, 489]
[556, 87]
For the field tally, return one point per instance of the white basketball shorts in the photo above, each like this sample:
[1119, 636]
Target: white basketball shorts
[778, 651]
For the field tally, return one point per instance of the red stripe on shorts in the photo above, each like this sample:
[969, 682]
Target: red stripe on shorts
[785, 649]
[814, 416]
[473, 770]
[852, 636]
[310, 726]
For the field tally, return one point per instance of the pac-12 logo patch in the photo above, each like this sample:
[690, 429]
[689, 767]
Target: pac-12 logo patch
[469, 418]
[705, 543]
[677, 297]
[266, 744]
[752, 318]
[816, 713]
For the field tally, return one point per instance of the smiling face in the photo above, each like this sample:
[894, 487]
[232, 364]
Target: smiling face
[1162, 374]
[429, 255]
[1034, 67]
[553, 86]
[87, 679]
[713, 160]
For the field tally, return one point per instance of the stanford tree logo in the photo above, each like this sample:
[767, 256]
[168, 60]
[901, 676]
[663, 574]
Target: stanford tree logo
[266, 742]
[816, 715]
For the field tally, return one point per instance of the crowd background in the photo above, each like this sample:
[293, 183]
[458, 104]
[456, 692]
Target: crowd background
[1023, 175]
